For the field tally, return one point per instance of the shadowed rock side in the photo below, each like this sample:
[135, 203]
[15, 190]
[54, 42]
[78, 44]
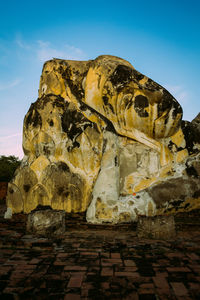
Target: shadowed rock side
[99, 134]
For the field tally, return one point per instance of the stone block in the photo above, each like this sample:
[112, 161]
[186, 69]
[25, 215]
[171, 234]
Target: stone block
[46, 222]
[157, 227]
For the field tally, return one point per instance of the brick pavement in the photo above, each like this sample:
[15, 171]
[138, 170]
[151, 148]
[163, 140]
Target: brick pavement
[98, 262]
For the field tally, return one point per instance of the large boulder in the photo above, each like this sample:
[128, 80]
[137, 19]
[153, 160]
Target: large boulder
[99, 133]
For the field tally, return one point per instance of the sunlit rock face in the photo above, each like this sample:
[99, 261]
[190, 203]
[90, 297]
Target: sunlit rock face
[98, 136]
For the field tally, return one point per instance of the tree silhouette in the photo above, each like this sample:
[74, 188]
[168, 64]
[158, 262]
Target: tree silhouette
[8, 166]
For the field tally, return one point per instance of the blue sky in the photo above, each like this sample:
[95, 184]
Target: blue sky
[160, 38]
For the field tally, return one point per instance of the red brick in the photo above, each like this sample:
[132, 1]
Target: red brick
[193, 256]
[5, 270]
[60, 263]
[179, 288]
[84, 293]
[146, 286]
[10, 290]
[174, 254]
[115, 255]
[107, 272]
[142, 291]
[76, 245]
[20, 274]
[87, 286]
[62, 255]
[161, 274]
[132, 295]
[93, 254]
[15, 262]
[127, 274]
[105, 254]
[111, 262]
[161, 282]
[165, 296]
[34, 261]
[25, 267]
[72, 297]
[129, 263]
[195, 268]
[129, 269]
[194, 286]
[105, 285]
[178, 269]
[75, 268]
[75, 281]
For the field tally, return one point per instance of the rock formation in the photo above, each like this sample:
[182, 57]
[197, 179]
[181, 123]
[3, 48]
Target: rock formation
[104, 139]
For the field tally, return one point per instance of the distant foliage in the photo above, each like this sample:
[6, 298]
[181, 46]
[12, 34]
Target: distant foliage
[8, 165]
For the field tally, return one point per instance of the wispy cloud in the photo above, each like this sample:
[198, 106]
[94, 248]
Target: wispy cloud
[47, 51]
[44, 50]
[11, 145]
[6, 137]
[21, 43]
[9, 85]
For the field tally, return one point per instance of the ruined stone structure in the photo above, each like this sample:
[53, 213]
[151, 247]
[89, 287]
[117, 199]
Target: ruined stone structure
[104, 139]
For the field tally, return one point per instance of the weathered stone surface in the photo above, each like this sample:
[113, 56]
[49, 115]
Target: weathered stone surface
[99, 134]
[158, 227]
[196, 121]
[46, 222]
[177, 193]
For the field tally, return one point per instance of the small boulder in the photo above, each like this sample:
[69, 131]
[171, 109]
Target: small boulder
[157, 227]
[46, 222]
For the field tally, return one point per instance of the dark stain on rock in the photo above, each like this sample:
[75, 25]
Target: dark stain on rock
[75, 145]
[167, 191]
[168, 103]
[51, 123]
[60, 190]
[138, 76]
[42, 207]
[177, 203]
[11, 191]
[33, 117]
[59, 102]
[129, 104]
[63, 166]
[26, 187]
[74, 123]
[105, 141]
[122, 75]
[74, 85]
[46, 150]
[109, 126]
[111, 107]
[105, 100]
[140, 103]
[106, 103]
[171, 145]
[186, 205]
[191, 171]
[152, 85]
[66, 194]
[192, 136]
[196, 194]
[116, 161]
